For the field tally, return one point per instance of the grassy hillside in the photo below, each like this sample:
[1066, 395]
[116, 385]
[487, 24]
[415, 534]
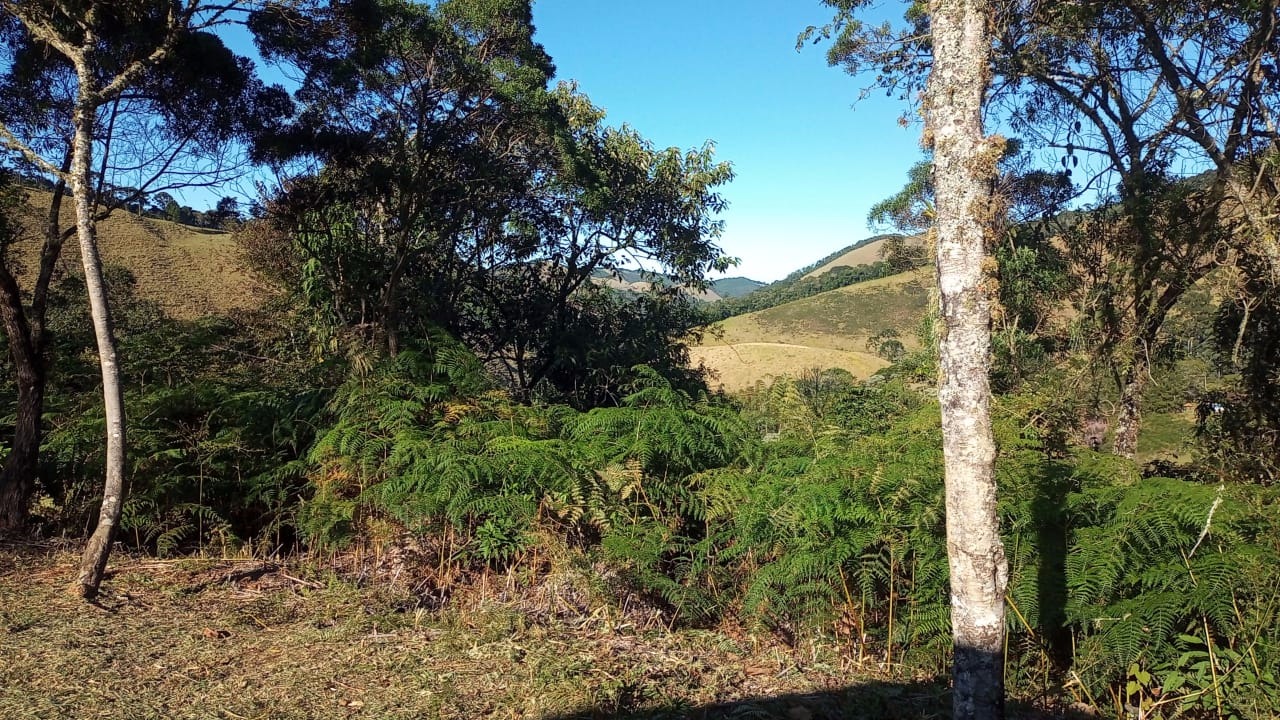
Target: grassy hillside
[641, 282]
[863, 253]
[740, 366]
[841, 319]
[801, 272]
[190, 272]
[825, 330]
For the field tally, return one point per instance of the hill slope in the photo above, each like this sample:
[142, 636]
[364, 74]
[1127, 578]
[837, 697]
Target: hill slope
[190, 272]
[826, 330]
[732, 287]
[863, 253]
[639, 281]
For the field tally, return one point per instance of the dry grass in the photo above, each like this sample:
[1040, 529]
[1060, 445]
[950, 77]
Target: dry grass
[865, 255]
[190, 272]
[206, 639]
[740, 366]
[840, 319]
[828, 330]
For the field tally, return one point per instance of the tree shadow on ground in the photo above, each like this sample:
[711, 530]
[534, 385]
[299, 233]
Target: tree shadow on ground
[874, 700]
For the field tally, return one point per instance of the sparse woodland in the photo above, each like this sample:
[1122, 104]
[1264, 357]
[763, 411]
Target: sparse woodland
[433, 408]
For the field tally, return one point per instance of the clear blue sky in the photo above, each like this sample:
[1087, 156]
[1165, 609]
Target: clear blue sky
[809, 164]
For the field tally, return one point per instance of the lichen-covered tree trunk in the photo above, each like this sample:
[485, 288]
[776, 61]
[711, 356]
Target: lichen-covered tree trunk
[93, 563]
[964, 167]
[1129, 410]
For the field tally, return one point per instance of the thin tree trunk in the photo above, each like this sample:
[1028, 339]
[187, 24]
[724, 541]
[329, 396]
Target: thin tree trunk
[93, 564]
[25, 332]
[964, 167]
[18, 476]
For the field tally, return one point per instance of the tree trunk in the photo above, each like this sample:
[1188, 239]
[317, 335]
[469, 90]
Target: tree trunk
[17, 477]
[1129, 413]
[964, 168]
[27, 349]
[94, 562]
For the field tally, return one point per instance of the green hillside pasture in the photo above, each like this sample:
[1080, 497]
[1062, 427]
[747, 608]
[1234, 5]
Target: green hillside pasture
[841, 319]
[828, 330]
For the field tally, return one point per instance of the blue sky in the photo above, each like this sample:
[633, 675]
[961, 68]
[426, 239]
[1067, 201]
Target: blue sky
[809, 163]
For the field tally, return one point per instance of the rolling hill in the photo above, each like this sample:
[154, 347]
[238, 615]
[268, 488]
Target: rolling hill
[193, 272]
[826, 330]
[732, 287]
[862, 253]
[640, 281]
[189, 272]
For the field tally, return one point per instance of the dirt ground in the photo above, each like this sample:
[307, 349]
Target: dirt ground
[202, 638]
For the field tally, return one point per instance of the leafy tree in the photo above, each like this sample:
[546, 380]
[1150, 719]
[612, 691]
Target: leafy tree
[911, 209]
[1140, 89]
[615, 200]
[1138, 92]
[471, 197]
[419, 116]
[135, 87]
[887, 345]
[160, 204]
[226, 214]
[1243, 430]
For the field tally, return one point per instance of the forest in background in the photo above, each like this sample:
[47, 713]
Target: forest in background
[436, 374]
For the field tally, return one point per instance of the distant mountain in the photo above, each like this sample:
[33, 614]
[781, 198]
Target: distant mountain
[628, 275]
[735, 286]
[641, 280]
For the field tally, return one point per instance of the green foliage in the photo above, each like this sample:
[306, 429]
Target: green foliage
[854, 530]
[1243, 437]
[1157, 558]
[477, 199]
[816, 503]
[423, 440]
[887, 345]
[911, 208]
[221, 412]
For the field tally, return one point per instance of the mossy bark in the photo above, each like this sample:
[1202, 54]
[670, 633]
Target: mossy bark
[963, 175]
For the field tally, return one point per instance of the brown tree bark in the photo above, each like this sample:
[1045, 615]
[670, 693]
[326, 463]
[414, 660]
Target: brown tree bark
[18, 476]
[28, 349]
[964, 170]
